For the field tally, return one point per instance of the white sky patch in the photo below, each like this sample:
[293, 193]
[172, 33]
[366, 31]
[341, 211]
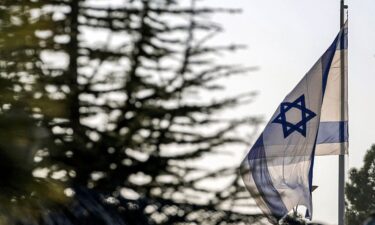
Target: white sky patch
[129, 194]
[56, 60]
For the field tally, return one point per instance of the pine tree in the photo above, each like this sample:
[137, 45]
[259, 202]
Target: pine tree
[360, 193]
[123, 96]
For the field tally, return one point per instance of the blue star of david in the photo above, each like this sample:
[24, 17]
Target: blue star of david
[306, 115]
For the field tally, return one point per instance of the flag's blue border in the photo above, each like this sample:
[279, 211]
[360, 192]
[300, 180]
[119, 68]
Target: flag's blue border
[258, 166]
[340, 43]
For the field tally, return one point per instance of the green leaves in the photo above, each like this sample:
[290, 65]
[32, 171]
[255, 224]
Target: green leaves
[360, 192]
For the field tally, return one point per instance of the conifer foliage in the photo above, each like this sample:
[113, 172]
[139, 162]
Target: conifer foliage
[107, 108]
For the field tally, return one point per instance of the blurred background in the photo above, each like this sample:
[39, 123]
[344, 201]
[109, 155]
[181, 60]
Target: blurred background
[109, 109]
[140, 111]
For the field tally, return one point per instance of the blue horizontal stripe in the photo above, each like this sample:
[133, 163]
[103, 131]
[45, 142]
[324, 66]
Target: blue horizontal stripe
[332, 132]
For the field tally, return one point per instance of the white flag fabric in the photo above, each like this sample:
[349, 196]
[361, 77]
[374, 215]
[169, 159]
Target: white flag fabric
[310, 121]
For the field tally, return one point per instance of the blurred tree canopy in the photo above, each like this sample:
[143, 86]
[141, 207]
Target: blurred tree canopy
[360, 192]
[106, 107]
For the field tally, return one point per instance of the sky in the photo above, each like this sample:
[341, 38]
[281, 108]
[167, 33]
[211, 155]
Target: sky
[285, 38]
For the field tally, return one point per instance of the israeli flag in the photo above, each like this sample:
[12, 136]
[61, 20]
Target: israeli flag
[312, 120]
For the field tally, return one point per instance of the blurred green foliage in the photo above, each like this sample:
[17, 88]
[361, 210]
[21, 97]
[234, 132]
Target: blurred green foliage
[105, 109]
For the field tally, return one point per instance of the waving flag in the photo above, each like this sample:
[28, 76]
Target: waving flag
[310, 121]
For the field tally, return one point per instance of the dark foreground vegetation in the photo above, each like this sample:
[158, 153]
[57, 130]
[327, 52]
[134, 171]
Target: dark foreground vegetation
[106, 109]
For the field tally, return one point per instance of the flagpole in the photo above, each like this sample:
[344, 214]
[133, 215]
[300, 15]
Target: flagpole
[341, 184]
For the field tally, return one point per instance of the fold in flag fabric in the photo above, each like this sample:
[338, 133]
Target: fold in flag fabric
[310, 121]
